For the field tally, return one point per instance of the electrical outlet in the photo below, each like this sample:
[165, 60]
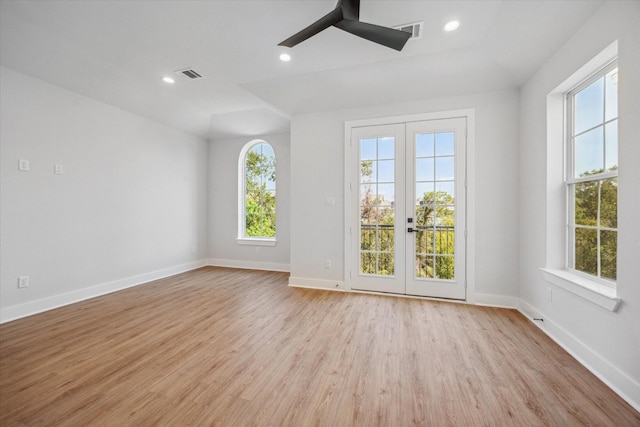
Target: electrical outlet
[23, 281]
[327, 263]
[58, 169]
[23, 165]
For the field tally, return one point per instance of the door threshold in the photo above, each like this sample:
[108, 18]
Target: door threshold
[391, 294]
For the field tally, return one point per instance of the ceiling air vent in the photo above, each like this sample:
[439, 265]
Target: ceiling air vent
[190, 74]
[414, 29]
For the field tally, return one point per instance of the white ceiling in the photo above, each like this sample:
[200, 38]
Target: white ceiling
[117, 52]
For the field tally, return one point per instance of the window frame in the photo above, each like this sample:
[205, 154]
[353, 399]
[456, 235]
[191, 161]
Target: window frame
[242, 238]
[571, 181]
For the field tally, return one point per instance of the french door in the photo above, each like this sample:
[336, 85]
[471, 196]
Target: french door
[408, 204]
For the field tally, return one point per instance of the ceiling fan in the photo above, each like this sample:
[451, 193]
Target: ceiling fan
[346, 16]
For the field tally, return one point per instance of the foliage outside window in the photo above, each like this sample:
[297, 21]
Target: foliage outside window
[259, 201]
[593, 175]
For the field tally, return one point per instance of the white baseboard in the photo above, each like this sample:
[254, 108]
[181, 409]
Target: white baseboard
[625, 386]
[248, 265]
[302, 282]
[502, 301]
[14, 312]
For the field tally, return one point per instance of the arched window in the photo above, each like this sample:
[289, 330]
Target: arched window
[257, 195]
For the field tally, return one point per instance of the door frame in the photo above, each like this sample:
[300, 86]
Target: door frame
[351, 188]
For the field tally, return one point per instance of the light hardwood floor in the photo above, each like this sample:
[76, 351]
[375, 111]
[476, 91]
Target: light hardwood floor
[228, 347]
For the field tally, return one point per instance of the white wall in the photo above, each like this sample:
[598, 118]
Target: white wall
[130, 206]
[224, 249]
[317, 172]
[607, 342]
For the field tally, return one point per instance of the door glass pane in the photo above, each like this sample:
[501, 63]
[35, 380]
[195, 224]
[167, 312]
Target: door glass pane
[425, 169]
[367, 237]
[386, 264]
[385, 238]
[424, 191]
[377, 206]
[425, 216]
[385, 170]
[424, 145]
[368, 215]
[368, 171]
[444, 168]
[368, 262]
[386, 148]
[444, 267]
[446, 192]
[366, 192]
[386, 194]
[445, 240]
[368, 149]
[423, 241]
[444, 144]
[424, 266]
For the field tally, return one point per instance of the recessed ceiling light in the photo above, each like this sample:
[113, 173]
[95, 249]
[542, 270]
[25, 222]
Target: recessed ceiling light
[285, 57]
[168, 79]
[451, 25]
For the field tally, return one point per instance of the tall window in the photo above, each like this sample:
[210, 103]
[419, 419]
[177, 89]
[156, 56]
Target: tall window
[592, 178]
[257, 202]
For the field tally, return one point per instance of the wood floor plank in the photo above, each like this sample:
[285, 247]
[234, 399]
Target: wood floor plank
[227, 347]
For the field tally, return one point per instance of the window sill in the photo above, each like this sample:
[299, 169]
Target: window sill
[597, 293]
[256, 242]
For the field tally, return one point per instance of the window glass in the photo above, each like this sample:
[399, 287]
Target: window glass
[259, 207]
[589, 153]
[593, 175]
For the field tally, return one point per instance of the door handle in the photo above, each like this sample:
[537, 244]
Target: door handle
[411, 230]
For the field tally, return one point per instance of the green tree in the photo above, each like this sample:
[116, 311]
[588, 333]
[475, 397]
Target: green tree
[260, 193]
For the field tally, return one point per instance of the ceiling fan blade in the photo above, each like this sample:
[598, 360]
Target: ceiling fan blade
[323, 23]
[350, 9]
[389, 37]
